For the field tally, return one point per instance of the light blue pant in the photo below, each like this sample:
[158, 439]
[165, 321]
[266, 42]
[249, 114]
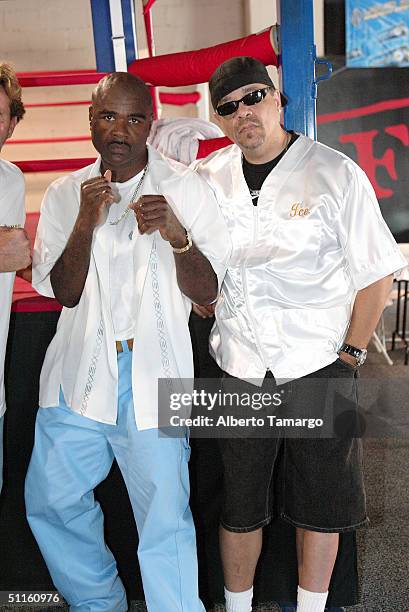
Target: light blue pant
[72, 455]
[1, 451]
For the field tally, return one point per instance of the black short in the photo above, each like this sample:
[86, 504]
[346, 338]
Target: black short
[316, 484]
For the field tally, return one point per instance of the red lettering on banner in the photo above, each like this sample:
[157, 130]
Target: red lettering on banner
[400, 131]
[363, 142]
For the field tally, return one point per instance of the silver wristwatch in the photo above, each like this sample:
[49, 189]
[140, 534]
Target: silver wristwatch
[359, 354]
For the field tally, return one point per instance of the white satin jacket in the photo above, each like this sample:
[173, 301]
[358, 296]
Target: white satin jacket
[82, 356]
[298, 258]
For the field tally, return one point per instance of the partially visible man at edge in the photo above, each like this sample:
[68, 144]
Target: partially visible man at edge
[14, 243]
[121, 244]
[310, 271]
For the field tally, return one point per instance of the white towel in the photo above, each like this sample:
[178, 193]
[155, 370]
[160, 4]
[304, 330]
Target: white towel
[179, 138]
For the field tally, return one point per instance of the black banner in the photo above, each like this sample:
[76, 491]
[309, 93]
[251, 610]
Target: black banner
[364, 113]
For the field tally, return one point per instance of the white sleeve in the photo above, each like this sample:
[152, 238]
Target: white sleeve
[205, 222]
[370, 249]
[50, 242]
[12, 191]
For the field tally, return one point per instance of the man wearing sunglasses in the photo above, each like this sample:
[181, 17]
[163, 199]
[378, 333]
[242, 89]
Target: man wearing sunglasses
[310, 271]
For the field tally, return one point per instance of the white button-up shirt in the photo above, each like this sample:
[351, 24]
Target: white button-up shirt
[81, 358]
[315, 238]
[12, 212]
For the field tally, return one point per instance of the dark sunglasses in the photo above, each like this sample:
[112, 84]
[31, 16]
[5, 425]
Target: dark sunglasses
[254, 97]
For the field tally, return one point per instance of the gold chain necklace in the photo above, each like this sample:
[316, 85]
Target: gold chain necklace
[133, 196]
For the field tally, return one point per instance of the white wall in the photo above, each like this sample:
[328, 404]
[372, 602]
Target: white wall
[183, 25]
[261, 13]
[47, 34]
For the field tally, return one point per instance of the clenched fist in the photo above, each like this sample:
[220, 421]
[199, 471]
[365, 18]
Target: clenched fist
[96, 198]
[154, 213]
[14, 249]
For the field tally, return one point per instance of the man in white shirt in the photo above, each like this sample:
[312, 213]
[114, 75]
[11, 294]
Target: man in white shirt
[121, 245]
[311, 268]
[14, 243]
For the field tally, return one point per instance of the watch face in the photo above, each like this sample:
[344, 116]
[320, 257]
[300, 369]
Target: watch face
[361, 359]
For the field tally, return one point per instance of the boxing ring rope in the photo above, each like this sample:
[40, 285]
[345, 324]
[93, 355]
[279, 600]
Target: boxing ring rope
[59, 77]
[148, 6]
[147, 18]
[176, 99]
[24, 141]
[54, 165]
[179, 99]
[49, 104]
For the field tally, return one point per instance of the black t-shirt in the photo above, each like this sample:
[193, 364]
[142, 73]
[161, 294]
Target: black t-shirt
[255, 174]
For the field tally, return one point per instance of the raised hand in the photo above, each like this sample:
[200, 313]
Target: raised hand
[14, 249]
[96, 198]
[194, 273]
[70, 271]
[154, 213]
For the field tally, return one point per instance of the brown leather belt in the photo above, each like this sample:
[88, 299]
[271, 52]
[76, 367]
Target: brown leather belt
[119, 348]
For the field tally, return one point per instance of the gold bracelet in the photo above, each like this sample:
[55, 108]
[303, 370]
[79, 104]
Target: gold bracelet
[185, 248]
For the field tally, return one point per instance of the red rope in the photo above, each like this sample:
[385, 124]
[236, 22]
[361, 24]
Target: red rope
[68, 103]
[176, 99]
[62, 77]
[179, 99]
[147, 17]
[19, 141]
[54, 165]
[212, 144]
[51, 72]
[148, 6]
